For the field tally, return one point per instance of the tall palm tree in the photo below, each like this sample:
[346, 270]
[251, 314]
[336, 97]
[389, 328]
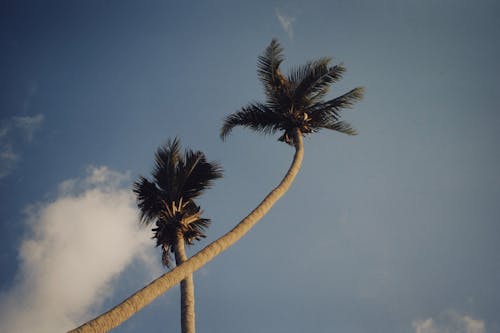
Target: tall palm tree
[294, 104]
[295, 107]
[167, 201]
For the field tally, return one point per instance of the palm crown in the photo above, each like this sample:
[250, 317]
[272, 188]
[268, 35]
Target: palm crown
[295, 101]
[168, 200]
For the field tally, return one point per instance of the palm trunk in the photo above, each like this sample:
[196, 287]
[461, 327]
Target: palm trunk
[187, 289]
[146, 295]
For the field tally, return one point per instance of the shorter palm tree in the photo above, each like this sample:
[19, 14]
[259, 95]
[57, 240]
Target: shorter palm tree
[168, 202]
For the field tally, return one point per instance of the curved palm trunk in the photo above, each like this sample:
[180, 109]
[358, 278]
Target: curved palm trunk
[187, 289]
[146, 295]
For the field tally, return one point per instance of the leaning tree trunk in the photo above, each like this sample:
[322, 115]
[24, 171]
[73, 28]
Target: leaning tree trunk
[146, 295]
[187, 288]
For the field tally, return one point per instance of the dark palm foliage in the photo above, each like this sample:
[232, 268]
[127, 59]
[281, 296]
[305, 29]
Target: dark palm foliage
[168, 200]
[295, 101]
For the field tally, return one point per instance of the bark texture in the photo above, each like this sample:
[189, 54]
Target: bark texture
[146, 295]
[187, 289]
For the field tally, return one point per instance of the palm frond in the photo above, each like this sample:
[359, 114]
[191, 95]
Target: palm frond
[313, 80]
[165, 234]
[192, 225]
[318, 84]
[326, 111]
[309, 72]
[346, 100]
[149, 200]
[256, 116]
[167, 158]
[201, 224]
[269, 74]
[342, 127]
[196, 230]
[268, 64]
[199, 174]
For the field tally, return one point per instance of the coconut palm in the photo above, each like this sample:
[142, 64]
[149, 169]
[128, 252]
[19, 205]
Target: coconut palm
[167, 201]
[295, 107]
[294, 104]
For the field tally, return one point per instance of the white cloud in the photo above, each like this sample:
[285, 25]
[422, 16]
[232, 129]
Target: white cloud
[77, 246]
[97, 176]
[450, 322]
[286, 23]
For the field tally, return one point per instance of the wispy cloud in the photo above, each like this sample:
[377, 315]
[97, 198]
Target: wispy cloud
[286, 22]
[8, 159]
[28, 125]
[77, 246]
[14, 132]
[450, 322]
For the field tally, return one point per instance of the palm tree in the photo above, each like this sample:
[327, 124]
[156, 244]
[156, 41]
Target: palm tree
[167, 201]
[295, 107]
[294, 104]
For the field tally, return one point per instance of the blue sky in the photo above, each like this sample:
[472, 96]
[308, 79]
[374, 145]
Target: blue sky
[395, 230]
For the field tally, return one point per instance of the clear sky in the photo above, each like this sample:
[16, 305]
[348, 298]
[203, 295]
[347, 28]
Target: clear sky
[396, 230]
